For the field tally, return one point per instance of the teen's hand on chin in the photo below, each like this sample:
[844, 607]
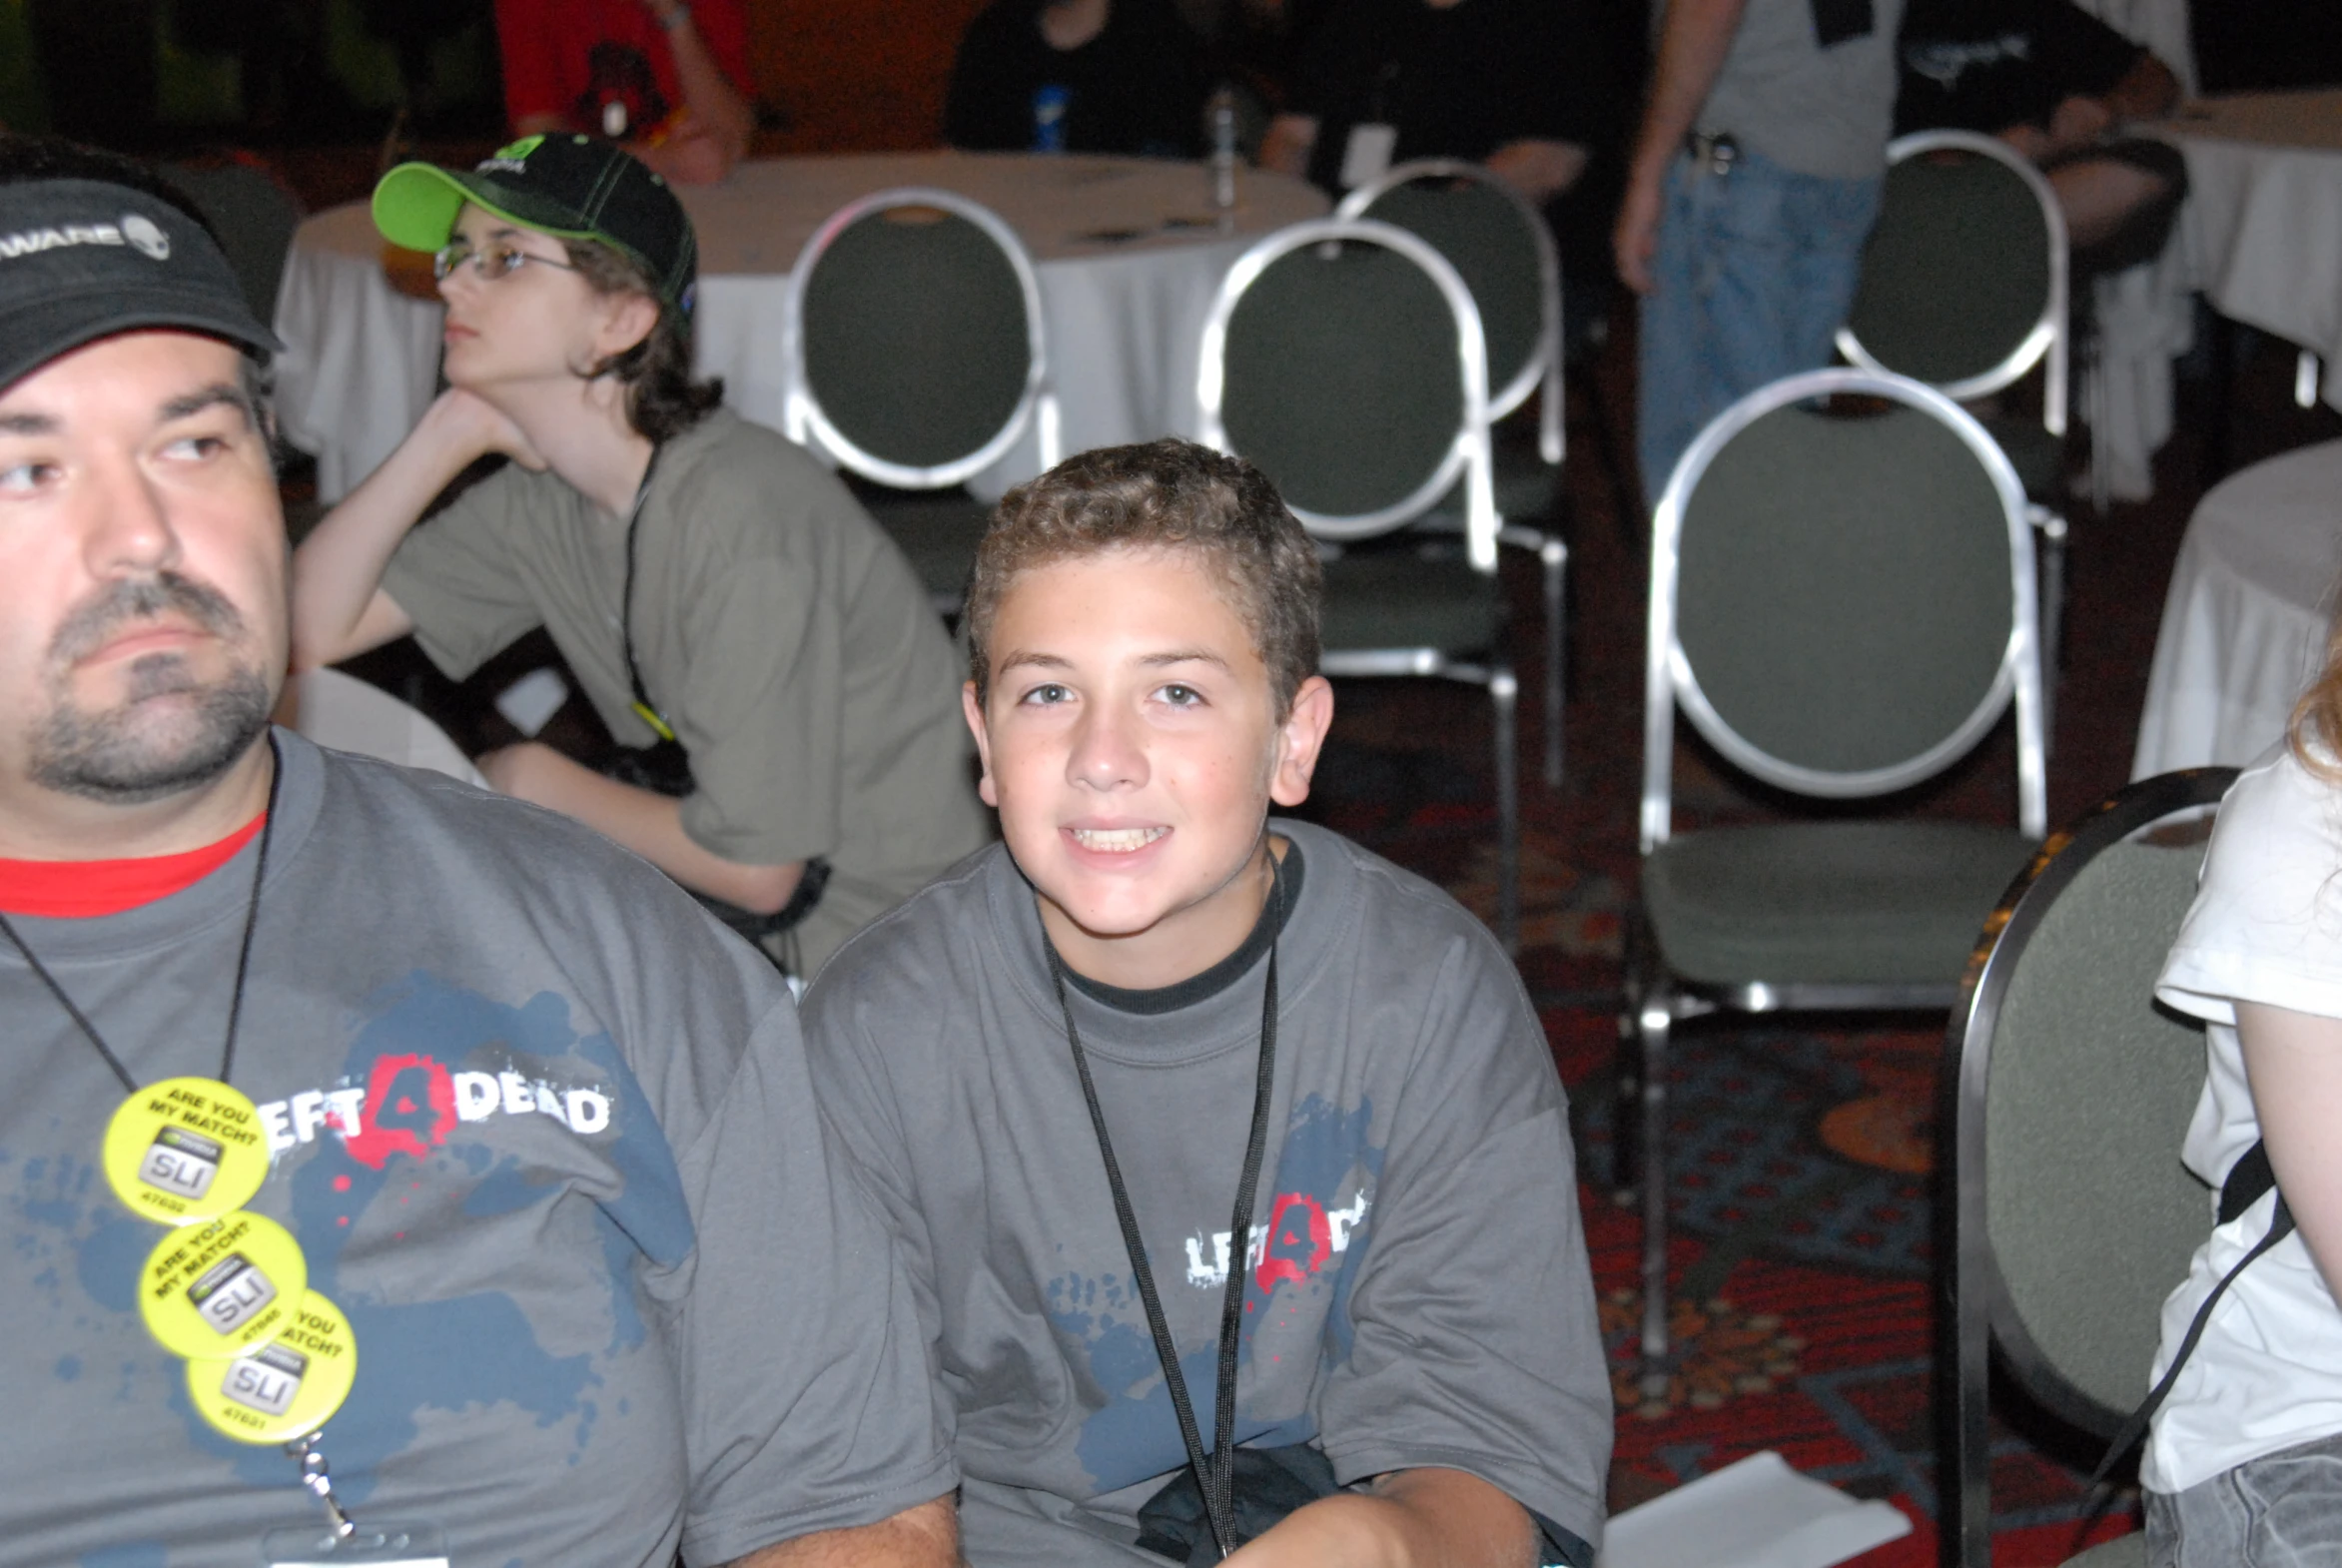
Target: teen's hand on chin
[474, 422]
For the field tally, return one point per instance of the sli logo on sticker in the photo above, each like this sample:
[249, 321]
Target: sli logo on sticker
[267, 1382]
[230, 1292]
[181, 1163]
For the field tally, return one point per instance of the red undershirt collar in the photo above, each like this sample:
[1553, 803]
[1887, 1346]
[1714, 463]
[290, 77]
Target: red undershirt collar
[86, 889]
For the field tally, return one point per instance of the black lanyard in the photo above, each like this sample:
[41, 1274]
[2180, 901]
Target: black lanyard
[251, 910]
[1215, 1476]
[645, 708]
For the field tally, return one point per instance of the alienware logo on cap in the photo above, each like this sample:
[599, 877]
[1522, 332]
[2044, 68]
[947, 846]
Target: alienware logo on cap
[133, 231]
[142, 233]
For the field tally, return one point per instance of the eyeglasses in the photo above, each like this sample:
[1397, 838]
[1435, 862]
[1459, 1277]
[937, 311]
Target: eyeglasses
[498, 260]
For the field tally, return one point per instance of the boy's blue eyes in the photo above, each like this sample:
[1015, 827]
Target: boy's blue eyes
[1050, 693]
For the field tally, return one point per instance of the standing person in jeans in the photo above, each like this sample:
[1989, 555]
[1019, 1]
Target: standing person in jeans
[713, 587]
[1752, 187]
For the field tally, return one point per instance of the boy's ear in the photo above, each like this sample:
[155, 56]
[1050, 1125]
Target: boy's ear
[973, 707]
[630, 319]
[1299, 741]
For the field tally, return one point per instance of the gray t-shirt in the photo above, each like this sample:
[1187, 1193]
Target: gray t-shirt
[544, 1133]
[1813, 109]
[1419, 1293]
[783, 636]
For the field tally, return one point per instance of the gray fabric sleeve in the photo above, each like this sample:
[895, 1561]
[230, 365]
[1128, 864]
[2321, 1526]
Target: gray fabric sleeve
[1476, 1343]
[762, 714]
[805, 1384]
[861, 1110]
[454, 576]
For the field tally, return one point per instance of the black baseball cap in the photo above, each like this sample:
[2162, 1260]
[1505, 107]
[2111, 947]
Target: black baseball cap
[571, 186]
[82, 260]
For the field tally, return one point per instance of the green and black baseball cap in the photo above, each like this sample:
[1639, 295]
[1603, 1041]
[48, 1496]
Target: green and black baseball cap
[571, 186]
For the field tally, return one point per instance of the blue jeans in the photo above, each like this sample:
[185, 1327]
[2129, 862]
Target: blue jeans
[2282, 1510]
[1753, 277]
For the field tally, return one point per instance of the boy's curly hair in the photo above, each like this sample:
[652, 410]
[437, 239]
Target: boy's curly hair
[1168, 494]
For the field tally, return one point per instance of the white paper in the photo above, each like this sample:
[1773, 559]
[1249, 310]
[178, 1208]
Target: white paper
[1758, 1513]
[1365, 157]
[531, 701]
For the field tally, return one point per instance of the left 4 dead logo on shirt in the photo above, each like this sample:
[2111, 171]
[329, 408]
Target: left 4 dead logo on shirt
[411, 1105]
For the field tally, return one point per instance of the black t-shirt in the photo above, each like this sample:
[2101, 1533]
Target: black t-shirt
[1138, 87]
[1455, 83]
[1987, 65]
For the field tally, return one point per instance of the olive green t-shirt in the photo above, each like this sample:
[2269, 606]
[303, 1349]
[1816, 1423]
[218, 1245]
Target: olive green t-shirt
[779, 631]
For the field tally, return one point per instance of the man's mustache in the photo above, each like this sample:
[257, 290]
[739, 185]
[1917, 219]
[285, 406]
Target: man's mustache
[96, 621]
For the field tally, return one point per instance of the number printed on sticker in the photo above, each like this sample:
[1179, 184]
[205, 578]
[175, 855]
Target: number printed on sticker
[180, 1163]
[268, 1380]
[229, 1292]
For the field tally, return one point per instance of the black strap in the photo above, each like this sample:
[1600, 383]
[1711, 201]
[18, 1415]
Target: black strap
[2248, 1179]
[1215, 1474]
[643, 706]
[252, 915]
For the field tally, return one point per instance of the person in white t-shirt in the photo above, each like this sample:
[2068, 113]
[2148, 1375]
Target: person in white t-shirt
[2244, 1458]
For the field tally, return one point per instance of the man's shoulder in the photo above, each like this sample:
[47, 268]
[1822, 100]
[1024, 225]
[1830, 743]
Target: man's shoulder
[485, 856]
[929, 942]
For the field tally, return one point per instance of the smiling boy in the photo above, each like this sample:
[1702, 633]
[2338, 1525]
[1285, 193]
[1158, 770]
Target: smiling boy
[1276, 1035]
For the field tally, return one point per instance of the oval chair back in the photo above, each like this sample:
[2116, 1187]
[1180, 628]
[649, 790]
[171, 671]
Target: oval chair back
[1843, 600]
[1501, 247]
[1343, 358]
[2067, 1091]
[915, 354]
[1963, 281]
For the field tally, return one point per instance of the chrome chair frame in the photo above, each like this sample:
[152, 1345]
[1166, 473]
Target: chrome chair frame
[1543, 369]
[803, 422]
[1656, 1000]
[1468, 457]
[2051, 340]
[1974, 1292]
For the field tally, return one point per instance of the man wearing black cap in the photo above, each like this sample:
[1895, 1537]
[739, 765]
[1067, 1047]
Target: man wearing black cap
[347, 1108]
[715, 590]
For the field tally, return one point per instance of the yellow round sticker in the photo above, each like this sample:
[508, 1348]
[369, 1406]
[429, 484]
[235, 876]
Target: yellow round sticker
[185, 1151]
[287, 1388]
[217, 1290]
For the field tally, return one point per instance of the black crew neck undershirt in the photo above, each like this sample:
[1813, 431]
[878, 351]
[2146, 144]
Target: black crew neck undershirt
[1154, 1000]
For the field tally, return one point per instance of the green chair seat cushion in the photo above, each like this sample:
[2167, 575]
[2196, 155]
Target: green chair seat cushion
[1408, 598]
[936, 529]
[1818, 903]
[2038, 456]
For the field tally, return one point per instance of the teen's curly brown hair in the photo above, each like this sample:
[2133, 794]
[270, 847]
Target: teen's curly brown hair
[1166, 495]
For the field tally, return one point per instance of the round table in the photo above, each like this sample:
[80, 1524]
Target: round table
[2263, 221]
[2244, 626]
[1127, 252]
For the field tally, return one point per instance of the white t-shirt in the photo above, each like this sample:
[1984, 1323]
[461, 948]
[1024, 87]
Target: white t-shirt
[2266, 927]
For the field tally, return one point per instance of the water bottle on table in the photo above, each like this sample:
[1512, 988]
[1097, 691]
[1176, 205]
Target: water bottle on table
[1220, 126]
[1050, 104]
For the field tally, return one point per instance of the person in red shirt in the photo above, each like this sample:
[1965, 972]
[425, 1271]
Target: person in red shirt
[667, 79]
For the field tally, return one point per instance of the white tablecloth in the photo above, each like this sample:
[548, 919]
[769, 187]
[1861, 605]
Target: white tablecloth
[348, 714]
[1124, 315]
[2263, 221]
[2244, 626]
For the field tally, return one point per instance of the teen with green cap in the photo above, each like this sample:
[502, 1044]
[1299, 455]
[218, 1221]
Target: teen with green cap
[709, 583]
